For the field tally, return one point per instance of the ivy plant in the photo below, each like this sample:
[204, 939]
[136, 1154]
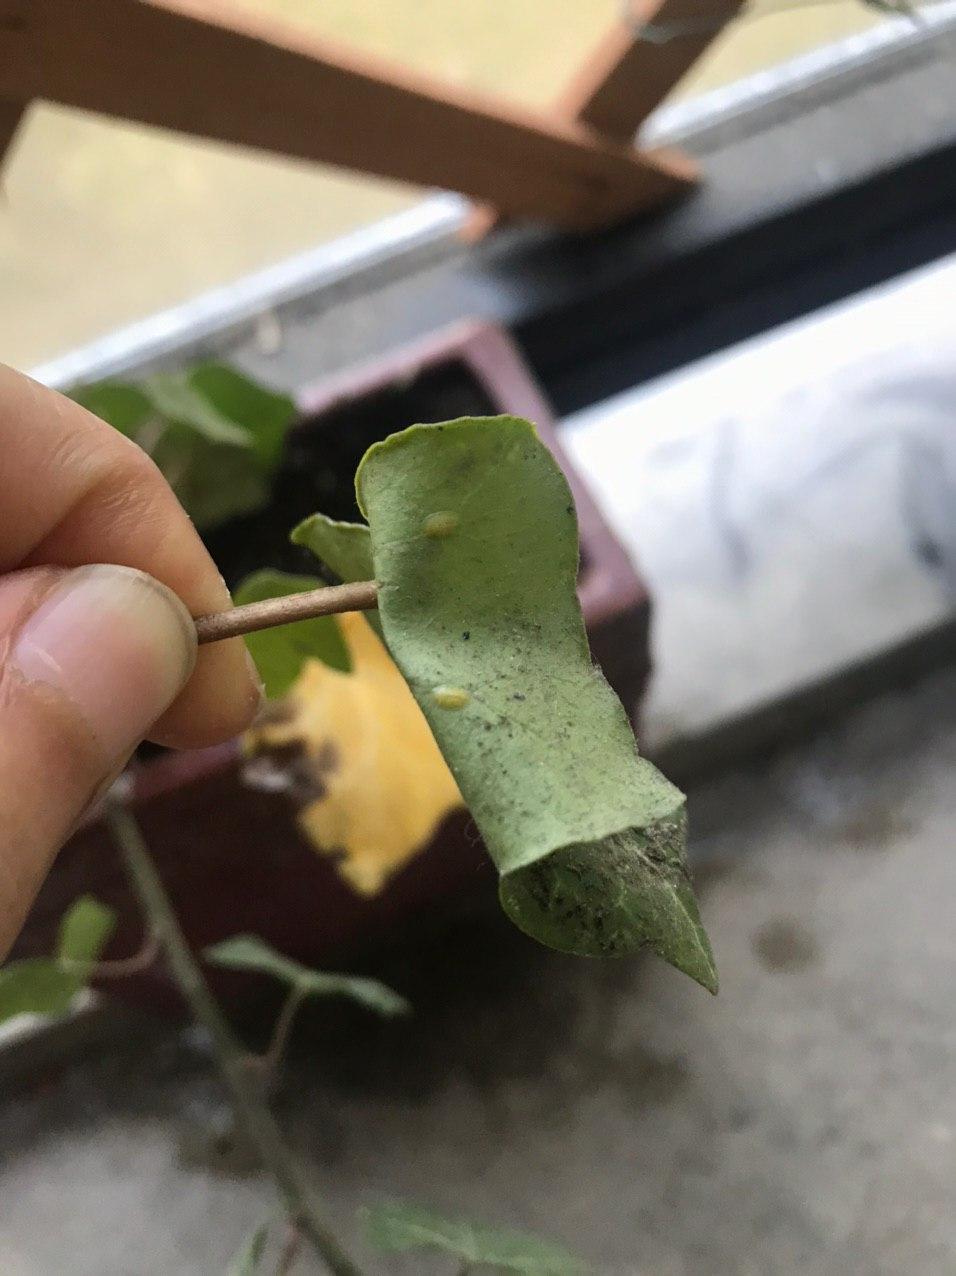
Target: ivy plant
[216, 435]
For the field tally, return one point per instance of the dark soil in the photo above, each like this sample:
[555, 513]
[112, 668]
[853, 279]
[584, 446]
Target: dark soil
[321, 456]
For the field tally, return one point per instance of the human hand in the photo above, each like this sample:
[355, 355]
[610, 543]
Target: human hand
[93, 658]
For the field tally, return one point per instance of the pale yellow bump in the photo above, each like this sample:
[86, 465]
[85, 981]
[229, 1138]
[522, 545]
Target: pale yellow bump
[451, 697]
[440, 524]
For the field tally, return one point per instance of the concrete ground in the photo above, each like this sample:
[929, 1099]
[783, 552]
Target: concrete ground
[805, 1120]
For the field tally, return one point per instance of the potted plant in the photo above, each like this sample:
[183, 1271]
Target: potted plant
[233, 853]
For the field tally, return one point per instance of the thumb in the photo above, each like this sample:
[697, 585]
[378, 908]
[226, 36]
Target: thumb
[89, 659]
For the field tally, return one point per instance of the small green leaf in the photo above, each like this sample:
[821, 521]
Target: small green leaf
[346, 548]
[249, 1259]
[213, 481]
[123, 406]
[36, 986]
[475, 547]
[264, 414]
[247, 952]
[174, 397]
[279, 652]
[395, 1227]
[214, 433]
[85, 931]
[47, 985]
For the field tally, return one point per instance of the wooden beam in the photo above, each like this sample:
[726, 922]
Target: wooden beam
[205, 68]
[628, 75]
[11, 113]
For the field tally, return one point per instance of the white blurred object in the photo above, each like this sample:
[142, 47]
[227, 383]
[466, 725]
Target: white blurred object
[791, 501]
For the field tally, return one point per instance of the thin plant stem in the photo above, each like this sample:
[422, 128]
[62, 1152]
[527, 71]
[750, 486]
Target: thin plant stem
[275, 1051]
[230, 1058]
[123, 967]
[290, 1249]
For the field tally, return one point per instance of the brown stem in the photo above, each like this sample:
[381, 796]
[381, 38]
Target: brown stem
[361, 595]
[121, 968]
[251, 1110]
[280, 1033]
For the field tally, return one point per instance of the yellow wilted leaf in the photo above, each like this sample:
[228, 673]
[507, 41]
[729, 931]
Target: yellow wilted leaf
[376, 784]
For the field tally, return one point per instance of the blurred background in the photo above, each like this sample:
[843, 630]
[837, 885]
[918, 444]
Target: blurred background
[136, 220]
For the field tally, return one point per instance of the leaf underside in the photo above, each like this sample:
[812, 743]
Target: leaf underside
[474, 544]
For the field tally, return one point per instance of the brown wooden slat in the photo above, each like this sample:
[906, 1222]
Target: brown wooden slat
[202, 67]
[627, 77]
[11, 113]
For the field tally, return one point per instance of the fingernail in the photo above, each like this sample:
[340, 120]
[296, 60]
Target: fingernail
[117, 644]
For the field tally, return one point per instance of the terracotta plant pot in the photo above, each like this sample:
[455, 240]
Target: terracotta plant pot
[231, 856]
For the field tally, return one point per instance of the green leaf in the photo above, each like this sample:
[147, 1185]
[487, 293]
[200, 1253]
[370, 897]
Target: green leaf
[279, 652]
[346, 548]
[247, 952]
[265, 415]
[47, 985]
[395, 1227]
[474, 543]
[174, 397]
[85, 930]
[249, 1259]
[214, 433]
[213, 481]
[36, 986]
[123, 406]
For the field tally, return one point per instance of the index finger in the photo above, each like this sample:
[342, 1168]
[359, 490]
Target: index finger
[75, 491]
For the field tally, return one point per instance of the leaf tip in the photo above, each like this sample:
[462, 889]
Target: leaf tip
[614, 898]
